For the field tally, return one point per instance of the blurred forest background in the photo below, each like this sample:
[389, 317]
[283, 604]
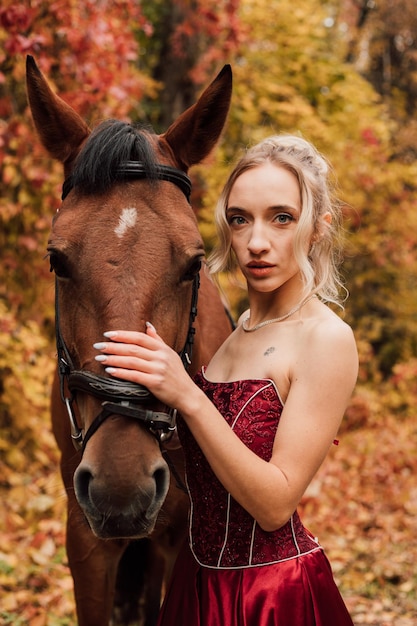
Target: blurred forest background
[343, 73]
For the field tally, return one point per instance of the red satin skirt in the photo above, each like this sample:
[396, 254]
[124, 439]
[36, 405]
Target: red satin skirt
[297, 592]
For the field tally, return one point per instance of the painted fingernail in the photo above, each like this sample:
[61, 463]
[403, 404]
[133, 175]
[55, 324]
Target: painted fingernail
[99, 346]
[110, 334]
[110, 370]
[149, 325]
[100, 357]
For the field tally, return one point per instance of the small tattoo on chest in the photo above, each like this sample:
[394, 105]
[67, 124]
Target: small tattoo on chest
[269, 351]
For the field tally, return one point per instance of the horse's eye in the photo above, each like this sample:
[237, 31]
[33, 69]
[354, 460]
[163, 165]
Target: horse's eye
[58, 264]
[192, 270]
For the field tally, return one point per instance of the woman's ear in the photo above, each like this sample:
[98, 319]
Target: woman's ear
[322, 226]
[327, 217]
[324, 223]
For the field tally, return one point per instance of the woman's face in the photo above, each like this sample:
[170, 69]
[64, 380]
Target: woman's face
[263, 212]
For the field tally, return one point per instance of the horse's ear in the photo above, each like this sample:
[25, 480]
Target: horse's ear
[60, 128]
[195, 133]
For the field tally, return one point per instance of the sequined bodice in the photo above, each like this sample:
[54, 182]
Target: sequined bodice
[222, 533]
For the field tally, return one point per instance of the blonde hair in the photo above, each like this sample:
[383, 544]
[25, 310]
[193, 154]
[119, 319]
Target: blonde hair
[318, 266]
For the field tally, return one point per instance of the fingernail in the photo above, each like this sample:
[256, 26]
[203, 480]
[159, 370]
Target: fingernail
[99, 346]
[149, 325]
[110, 334]
[110, 370]
[100, 357]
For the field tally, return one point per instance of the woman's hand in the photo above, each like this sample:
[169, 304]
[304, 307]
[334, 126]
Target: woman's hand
[144, 358]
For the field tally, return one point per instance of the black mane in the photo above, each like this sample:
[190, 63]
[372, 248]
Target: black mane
[109, 145]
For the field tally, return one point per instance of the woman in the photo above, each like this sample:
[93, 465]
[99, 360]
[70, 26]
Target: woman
[258, 421]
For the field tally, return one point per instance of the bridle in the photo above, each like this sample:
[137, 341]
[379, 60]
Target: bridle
[135, 170]
[121, 397]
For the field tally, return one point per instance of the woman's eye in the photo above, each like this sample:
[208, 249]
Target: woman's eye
[284, 218]
[237, 219]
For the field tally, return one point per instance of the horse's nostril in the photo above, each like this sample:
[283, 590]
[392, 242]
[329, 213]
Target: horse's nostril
[161, 478]
[82, 481]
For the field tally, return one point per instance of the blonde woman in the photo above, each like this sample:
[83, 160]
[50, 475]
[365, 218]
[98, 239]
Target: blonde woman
[258, 420]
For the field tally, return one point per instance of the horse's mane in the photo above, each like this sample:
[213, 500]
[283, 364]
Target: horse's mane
[110, 144]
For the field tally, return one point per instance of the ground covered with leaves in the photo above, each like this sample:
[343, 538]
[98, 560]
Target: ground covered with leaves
[362, 506]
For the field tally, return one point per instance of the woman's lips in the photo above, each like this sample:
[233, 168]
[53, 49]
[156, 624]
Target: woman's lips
[259, 270]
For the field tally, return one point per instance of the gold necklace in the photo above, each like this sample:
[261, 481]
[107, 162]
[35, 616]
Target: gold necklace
[275, 319]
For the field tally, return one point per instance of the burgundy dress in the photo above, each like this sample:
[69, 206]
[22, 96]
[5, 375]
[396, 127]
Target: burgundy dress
[231, 572]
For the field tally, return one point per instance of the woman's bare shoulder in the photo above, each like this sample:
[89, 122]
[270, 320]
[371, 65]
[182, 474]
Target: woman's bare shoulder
[329, 339]
[330, 325]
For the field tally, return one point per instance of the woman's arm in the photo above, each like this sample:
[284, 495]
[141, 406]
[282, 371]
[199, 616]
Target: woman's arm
[321, 384]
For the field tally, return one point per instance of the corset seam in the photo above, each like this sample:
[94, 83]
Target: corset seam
[252, 541]
[294, 535]
[190, 517]
[248, 566]
[247, 402]
[227, 531]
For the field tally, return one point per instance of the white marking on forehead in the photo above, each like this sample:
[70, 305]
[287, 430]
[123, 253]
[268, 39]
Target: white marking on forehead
[127, 220]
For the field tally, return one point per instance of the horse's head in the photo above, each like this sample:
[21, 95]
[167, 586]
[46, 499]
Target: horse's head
[125, 249]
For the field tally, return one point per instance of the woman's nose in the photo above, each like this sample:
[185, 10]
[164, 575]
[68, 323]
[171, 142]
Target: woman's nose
[258, 241]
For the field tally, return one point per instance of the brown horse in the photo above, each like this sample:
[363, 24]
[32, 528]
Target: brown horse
[125, 248]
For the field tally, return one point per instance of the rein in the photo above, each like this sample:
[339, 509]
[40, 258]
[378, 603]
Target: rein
[122, 397]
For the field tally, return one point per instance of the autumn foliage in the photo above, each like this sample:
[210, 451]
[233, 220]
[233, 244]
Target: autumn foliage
[298, 67]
